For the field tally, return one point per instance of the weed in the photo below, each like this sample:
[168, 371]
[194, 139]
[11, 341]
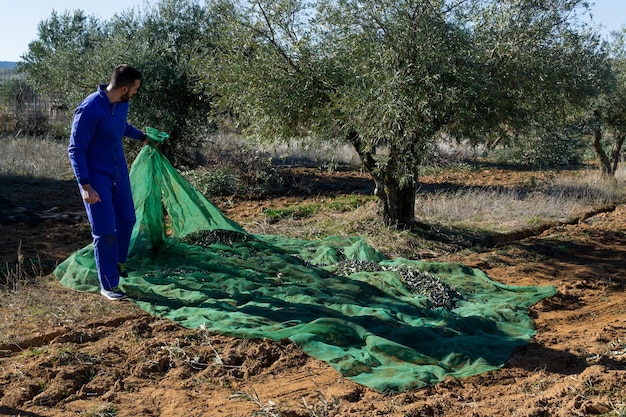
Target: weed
[64, 356]
[294, 212]
[42, 385]
[206, 341]
[535, 387]
[617, 348]
[593, 385]
[102, 411]
[349, 202]
[215, 182]
[20, 273]
[268, 409]
[618, 410]
[179, 354]
[32, 351]
[323, 407]
[534, 221]
[302, 211]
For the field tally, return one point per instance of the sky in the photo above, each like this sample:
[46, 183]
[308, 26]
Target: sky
[19, 19]
[18, 22]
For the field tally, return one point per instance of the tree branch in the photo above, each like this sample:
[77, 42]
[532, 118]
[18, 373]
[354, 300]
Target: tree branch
[272, 38]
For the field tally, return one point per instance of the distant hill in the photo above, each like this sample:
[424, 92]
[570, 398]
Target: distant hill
[7, 64]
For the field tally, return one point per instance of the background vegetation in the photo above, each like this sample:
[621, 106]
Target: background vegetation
[523, 81]
[467, 215]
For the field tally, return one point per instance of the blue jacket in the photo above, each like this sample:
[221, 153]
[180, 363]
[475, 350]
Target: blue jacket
[96, 139]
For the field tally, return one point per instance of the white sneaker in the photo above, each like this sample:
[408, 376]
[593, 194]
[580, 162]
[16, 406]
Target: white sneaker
[114, 294]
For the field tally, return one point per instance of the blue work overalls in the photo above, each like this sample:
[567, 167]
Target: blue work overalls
[97, 157]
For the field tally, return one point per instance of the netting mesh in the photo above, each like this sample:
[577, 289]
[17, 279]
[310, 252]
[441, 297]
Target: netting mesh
[388, 324]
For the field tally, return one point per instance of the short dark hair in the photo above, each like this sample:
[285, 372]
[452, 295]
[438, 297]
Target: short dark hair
[124, 75]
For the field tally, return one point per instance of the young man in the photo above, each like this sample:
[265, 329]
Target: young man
[99, 163]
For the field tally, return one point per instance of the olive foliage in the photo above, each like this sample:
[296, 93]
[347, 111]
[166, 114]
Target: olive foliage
[63, 60]
[390, 77]
[607, 116]
[74, 53]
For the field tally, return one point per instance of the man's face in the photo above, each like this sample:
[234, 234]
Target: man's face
[130, 91]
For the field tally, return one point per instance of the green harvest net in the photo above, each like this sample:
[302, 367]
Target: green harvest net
[391, 325]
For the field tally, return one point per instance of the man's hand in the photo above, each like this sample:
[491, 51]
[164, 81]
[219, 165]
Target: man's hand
[149, 142]
[90, 195]
[155, 137]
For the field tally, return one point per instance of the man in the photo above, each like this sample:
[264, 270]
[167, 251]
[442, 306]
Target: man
[98, 160]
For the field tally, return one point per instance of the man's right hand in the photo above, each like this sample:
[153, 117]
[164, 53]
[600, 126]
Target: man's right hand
[90, 195]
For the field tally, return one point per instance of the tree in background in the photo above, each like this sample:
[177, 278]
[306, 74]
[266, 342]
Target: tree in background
[607, 122]
[74, 53]
[388, 77]
[63, 59]
[163, 43]
[55, 64]
[391, 77]
[544, 78]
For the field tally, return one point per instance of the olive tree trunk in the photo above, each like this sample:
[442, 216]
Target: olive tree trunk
[607, 163]
[397, 195]
[398, 202]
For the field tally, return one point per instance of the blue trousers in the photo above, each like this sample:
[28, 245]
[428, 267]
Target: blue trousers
[112, 220]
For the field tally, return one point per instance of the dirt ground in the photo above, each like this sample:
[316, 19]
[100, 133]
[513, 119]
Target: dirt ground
[64, 353]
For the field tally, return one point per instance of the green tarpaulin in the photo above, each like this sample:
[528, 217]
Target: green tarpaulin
[391, 325]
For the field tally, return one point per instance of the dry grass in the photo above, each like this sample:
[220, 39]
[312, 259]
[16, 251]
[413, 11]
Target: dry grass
[506, 210]
[363, 221]
[464, 215]
[560, 197]
[44, 302]
[34, 158]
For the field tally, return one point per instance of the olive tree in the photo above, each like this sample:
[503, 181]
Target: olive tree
[62, 62]
[163, 42]
[389, 77]
[74, 53]
[607, 121]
